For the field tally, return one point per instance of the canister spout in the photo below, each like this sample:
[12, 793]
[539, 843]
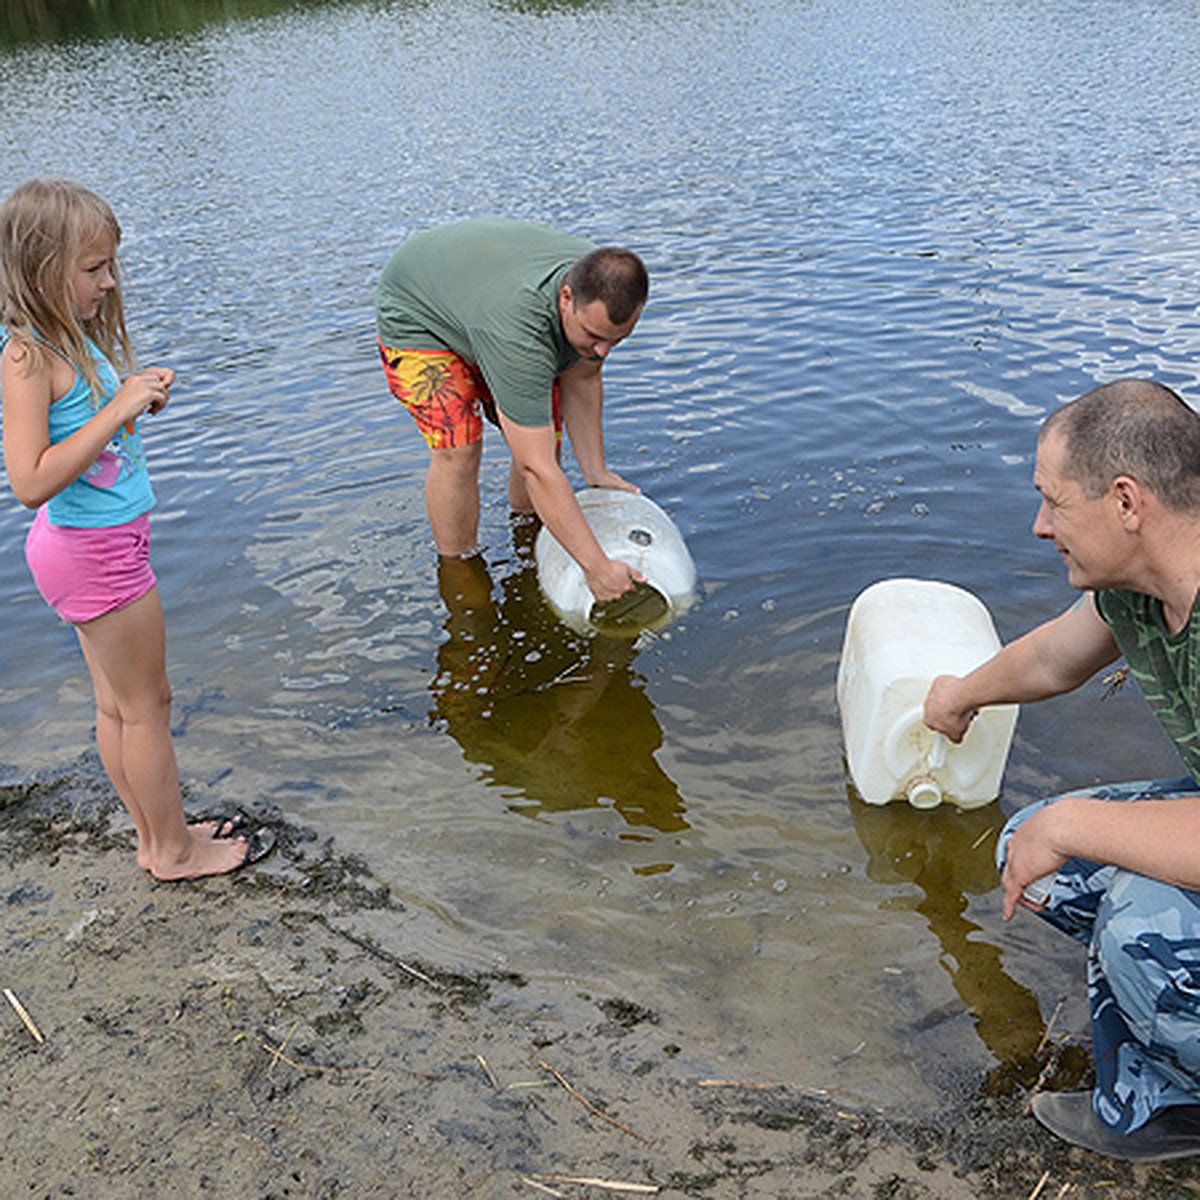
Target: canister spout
[924, 792]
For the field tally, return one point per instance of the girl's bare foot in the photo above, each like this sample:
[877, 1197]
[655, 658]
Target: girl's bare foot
[205, 855]
[218, 827]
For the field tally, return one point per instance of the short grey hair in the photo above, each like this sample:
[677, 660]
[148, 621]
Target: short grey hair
[1133, 427]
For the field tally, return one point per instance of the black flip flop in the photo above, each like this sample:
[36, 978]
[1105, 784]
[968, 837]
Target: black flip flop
[229, 826]
[259, 844]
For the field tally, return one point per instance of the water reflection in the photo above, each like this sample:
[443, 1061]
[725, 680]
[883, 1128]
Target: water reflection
[950, 855]
[860, 308]
[560, 720]
[63, 20]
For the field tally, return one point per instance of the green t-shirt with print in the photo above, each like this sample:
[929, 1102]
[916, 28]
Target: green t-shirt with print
[1166, 666]
[488, 290]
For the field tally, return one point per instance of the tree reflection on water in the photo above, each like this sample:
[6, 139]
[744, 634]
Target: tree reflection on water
[67, 20]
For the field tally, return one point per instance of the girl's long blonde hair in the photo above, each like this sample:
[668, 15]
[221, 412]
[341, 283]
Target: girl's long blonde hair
[45, 225]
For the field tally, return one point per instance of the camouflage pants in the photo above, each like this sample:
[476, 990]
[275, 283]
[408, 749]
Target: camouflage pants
[1143, 971]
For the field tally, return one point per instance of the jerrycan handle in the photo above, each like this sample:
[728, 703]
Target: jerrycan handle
[936, 758]
[924, 791]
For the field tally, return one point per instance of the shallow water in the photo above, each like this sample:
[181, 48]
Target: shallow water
[885, 240]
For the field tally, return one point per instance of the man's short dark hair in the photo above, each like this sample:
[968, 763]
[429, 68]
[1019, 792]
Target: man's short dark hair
[613, 275]
[1132, 427]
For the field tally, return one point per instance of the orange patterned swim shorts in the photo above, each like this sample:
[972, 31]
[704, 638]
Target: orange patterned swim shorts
[445, 394]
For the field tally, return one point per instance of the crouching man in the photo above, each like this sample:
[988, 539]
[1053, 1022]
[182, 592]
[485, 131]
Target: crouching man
[1118, 471]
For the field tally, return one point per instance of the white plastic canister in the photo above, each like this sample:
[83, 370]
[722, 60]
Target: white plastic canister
[900, 634]
[631, 529]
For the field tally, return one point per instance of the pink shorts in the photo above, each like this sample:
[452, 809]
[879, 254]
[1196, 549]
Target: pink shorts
[85, 573]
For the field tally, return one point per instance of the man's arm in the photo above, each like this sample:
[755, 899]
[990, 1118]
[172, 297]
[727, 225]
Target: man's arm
[1054, 658]
[535, 457]
[581, 389]
[1156, 838]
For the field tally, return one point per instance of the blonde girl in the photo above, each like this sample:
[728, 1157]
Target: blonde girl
[73, 452]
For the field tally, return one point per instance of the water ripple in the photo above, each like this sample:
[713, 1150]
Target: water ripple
[885, 240]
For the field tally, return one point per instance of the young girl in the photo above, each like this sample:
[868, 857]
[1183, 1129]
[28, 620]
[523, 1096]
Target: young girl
[73, 452]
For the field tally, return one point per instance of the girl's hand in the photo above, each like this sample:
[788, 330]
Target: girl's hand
[166, 377]
[147, 391]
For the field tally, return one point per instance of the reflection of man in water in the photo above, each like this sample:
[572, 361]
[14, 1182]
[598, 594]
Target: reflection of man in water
[1119, 475]
[559, 717]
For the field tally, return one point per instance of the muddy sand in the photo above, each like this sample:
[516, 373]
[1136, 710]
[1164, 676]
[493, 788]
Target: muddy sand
[285, 1033]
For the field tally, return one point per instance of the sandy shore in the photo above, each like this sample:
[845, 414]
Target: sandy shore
[283, 1033]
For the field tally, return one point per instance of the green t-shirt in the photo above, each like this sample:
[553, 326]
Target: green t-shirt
[488, 290]
[1166, 666]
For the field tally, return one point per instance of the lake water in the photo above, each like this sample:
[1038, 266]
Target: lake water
[885, 241]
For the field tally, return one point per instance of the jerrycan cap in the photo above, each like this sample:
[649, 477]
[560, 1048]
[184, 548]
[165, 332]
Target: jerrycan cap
[924, 792]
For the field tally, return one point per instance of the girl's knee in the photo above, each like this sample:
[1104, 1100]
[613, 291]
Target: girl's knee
[153, 704]
[148, 705]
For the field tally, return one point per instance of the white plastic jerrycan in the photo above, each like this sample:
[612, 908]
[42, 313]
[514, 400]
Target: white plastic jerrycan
[632, 529]
[900, 634]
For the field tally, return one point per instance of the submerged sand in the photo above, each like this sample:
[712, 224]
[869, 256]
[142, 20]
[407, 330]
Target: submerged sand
[285, 1032]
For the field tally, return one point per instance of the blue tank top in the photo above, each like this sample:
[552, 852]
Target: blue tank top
[116, 487]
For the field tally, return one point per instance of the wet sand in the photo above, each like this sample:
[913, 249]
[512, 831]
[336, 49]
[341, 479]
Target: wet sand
[284, 1033]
